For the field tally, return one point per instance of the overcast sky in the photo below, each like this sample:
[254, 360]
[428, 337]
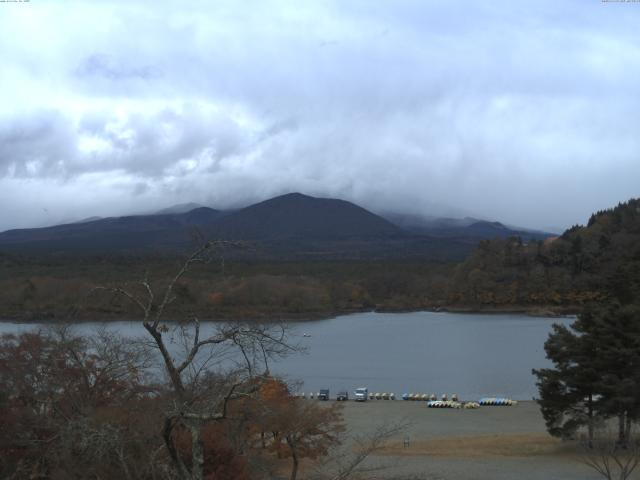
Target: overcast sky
[521, 111]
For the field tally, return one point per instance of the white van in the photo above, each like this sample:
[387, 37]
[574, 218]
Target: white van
[361, 394]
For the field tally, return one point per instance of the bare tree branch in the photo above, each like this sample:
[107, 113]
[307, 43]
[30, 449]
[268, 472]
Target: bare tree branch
[610, 459]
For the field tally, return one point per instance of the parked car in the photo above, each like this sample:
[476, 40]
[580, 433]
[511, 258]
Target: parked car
[324, 394]
[362, 394]
[342, 396]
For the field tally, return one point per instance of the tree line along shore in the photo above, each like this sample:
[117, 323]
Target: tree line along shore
[556, 276]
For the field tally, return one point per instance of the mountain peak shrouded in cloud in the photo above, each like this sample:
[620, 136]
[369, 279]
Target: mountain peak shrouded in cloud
[293, 222]
[524, 113]
[304, 216]
[181, 208]
[287, 227]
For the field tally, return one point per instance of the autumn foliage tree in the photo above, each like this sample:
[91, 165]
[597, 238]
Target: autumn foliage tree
[65, 406]
[295, 428]
[585, 264]
[187, 401]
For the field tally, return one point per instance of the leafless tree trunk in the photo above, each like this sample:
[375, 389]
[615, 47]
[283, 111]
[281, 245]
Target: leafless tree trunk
[191, 410]
[621, 429]
[294, 458]
[590, 424]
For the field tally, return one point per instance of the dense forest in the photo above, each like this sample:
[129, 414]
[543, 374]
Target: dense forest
[557, 275]
[586, 263]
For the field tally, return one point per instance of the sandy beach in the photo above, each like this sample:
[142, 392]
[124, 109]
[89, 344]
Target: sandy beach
[490, 443]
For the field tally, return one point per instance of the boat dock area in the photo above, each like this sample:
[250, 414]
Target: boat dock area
[431, 400]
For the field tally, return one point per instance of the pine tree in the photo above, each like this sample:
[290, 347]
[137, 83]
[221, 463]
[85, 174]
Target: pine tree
[568, 392]
[596, 372]
[617, 330]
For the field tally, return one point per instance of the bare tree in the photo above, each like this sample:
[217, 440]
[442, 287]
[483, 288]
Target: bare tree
[610, 459]
[353, 460]
[199, 398]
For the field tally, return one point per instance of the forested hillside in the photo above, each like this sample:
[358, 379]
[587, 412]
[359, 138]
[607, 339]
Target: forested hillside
[585, 263]
[558, 275]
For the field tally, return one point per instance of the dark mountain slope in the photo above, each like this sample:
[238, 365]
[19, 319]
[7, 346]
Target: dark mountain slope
[131, 233]
[469, 229]
[487, 230]
[299, 216]
[296, 226]
[292, 226]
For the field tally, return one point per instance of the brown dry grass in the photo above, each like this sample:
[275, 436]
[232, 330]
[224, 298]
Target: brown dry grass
[500, 445]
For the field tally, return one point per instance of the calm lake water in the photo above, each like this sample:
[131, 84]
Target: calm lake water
[473, 355]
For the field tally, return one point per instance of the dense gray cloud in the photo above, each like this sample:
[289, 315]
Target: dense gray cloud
[522, 112]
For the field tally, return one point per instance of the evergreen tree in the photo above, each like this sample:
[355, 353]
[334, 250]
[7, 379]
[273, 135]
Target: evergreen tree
[596, 372]
[568, 392]
[617, 331]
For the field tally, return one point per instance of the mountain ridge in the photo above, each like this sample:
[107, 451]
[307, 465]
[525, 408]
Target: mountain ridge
[303, 216]
[286, 226]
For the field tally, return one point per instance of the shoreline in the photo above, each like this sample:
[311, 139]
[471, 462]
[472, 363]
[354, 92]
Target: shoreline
[536, 312]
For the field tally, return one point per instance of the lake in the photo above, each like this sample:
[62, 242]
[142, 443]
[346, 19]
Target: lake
[472, 355]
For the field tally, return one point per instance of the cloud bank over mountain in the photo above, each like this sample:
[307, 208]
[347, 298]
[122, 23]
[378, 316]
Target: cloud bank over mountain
[522, 113]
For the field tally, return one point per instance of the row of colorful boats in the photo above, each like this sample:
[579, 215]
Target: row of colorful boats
[500, 401]
[432, 401]
[452, 404]
[427, 398]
